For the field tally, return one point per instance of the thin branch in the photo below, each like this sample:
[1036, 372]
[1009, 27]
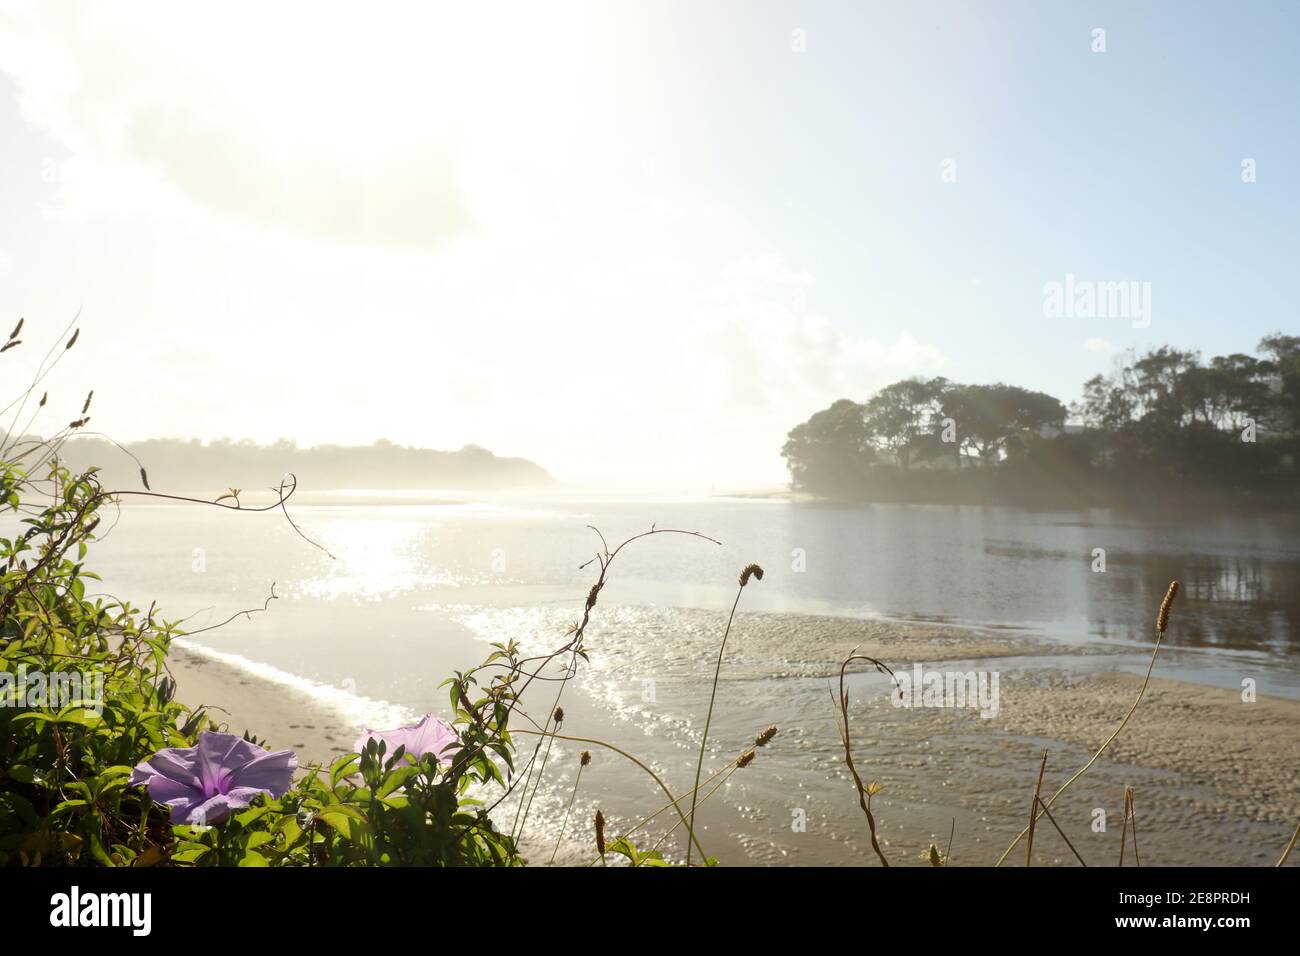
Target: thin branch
[864, 795]
[247, 613]
[713, 694]
[675, 801]
[1033, 814]
[1047, 813]
[1290, 846]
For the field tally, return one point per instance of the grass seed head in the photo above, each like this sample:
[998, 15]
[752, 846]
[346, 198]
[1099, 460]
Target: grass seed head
[1162, 619]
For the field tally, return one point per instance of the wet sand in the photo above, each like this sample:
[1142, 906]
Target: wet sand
[1245, 754]
[241, 702]
[1215, 778]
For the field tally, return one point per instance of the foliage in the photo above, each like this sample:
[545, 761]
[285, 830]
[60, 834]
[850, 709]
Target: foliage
[901, 418]
[64, 763]
[85, 696]
[831, 452]
[1231, 423]
[191, 464]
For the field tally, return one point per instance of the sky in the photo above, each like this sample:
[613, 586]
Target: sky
[636, 242]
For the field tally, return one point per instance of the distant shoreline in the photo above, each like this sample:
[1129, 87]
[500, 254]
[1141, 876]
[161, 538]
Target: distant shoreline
[166, 464]
[1151, 504]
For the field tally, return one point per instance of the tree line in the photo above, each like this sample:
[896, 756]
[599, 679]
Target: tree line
[1163, 423]
[194, 465]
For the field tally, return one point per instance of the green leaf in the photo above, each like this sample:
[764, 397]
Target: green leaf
[339, 769]
[67, 806]
[395, 779]
[252, 815]
[189, 852]
[348, 822]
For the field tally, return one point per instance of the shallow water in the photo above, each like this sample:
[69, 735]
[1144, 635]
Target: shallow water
[415, 590]
[971, 566]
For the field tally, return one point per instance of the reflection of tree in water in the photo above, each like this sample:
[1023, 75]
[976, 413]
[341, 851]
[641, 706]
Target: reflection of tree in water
[1226, 601]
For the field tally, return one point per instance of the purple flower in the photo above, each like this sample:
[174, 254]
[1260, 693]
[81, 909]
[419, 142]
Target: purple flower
[203, 784]
[432, 735]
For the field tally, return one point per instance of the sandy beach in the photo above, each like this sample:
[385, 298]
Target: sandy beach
[283, 716]
[1215, 777]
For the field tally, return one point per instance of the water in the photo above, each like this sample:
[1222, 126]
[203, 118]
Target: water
[418, 588]
[981, 567]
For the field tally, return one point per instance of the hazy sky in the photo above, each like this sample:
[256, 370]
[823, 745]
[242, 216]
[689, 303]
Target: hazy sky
[636, 242]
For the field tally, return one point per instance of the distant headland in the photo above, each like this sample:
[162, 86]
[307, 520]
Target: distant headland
[180, 464]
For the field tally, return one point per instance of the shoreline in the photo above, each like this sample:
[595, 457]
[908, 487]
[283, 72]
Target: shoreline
[1221, 794]
[284, 716]
[1228, 503]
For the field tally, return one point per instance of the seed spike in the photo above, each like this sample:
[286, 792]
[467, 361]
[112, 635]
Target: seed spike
[1162, 619]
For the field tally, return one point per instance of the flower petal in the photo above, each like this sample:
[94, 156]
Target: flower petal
[432, 735]
[174, 763]
[208, 813]
[183, 810]
[219, 755]
[166, 790]
[271, 772]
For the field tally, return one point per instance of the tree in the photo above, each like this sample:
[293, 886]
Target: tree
[988, 417]
[901, 415]
[1154, 385]
[830, 452]
[1231, 389]
[1283, 379]
[1157, 421]
[1106, 404]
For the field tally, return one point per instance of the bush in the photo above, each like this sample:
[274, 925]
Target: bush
[85, 697]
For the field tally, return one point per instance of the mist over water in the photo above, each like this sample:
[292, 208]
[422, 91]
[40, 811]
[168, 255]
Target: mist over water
[407, 577]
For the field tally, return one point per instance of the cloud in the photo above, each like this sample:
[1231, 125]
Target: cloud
[268, 121]
[583, 304]
[414, 202]
[762, 345]
[1105, 346]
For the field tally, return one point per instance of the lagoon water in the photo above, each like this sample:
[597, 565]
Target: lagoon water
[405, 564]
[418, 587]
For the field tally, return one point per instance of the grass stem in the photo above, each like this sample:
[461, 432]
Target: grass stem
[675, 801]
[708, 719]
